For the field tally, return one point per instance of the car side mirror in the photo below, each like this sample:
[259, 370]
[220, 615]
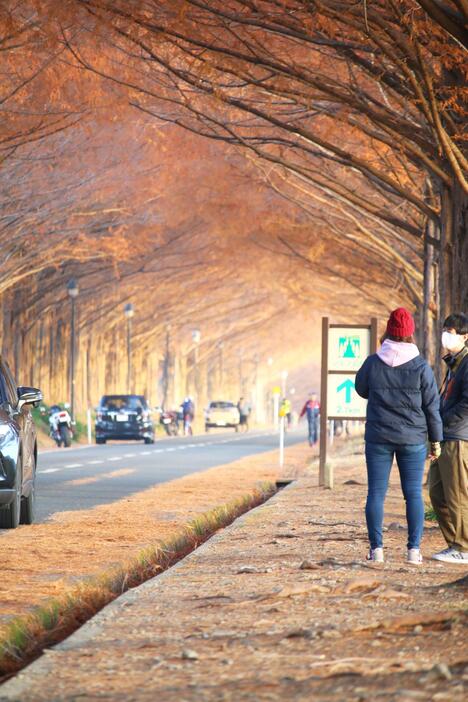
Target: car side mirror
[29, 396]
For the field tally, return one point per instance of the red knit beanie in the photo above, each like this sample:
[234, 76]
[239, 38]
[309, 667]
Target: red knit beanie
[400, 323]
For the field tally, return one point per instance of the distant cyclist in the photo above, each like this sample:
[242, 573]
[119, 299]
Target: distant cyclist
[188, 412]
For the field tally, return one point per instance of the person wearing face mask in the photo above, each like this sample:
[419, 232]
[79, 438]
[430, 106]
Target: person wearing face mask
[448, 475]
[402, 414]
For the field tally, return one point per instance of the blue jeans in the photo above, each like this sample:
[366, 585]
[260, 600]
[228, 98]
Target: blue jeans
[313, 429]
[410, 460]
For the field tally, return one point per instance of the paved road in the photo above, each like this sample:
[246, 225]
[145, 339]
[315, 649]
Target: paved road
[80, 478]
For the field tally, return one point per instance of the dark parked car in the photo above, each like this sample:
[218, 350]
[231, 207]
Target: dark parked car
[124, 417]
[18, 451]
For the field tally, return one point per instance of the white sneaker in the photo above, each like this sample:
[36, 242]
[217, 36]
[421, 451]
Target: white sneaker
[376, 555]
[452, 555]
[444, 552]
[414, 556]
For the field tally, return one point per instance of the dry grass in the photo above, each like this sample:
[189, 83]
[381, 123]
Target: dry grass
[27, 636]
[79, 544]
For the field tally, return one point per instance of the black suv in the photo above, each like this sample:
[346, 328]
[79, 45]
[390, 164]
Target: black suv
[18, 451]
[124, 417]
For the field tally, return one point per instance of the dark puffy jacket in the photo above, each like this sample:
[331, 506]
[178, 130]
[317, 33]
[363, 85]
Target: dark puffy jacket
[403, 405]
[454, 405]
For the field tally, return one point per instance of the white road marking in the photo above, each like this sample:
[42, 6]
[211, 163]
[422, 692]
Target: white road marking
[182, 447]
[75, 448]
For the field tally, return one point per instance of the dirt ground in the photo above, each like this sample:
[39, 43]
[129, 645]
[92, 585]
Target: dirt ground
[280, 606]
[42, 560]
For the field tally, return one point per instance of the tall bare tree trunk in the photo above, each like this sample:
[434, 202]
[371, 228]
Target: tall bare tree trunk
[429, 318]
[460, 249]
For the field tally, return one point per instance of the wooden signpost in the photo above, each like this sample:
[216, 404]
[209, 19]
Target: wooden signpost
[344, 349]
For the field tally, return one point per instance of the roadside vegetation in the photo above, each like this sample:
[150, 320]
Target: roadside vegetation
[429, 514]
[27, 636]
[76, 561]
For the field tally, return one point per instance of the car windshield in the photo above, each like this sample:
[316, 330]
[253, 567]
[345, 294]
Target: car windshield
[222, 405]
[114, 403]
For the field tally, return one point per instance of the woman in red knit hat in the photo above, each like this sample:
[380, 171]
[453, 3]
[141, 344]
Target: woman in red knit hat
[402, 413]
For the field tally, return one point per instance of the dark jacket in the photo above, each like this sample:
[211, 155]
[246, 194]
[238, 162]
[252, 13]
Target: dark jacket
[312, 409]
[403, 405]
[454, 402]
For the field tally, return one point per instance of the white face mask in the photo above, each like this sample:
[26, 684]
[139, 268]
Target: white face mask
[452, 342]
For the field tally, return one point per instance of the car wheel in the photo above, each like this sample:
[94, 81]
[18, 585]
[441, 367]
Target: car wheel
[100, 441]
[148, 440]
[10, 515]
[27, 507]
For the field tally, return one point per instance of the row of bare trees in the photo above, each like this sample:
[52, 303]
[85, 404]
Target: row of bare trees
[359, 110]
[322, 166]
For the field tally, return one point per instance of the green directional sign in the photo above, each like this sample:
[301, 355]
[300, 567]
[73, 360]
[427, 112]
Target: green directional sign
[347, 348]
[343, 400]
[348, 387]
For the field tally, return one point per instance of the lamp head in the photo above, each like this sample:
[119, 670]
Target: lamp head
[129, 310]
[72, 288]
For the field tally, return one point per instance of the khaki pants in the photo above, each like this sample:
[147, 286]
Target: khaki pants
[448, 489]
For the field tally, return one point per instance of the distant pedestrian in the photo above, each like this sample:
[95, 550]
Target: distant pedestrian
[312, 410]
[448, 475]
[403, 409]
[244, 414]
[188, 413]
[285, 411]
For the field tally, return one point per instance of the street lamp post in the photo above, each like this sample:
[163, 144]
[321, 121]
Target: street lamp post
[73, 290]
[166, 366]
[258, 409]
[283, 419]
[221, 366]
[241, 373]
[196, 338]
[129, 312]
[270, 362]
